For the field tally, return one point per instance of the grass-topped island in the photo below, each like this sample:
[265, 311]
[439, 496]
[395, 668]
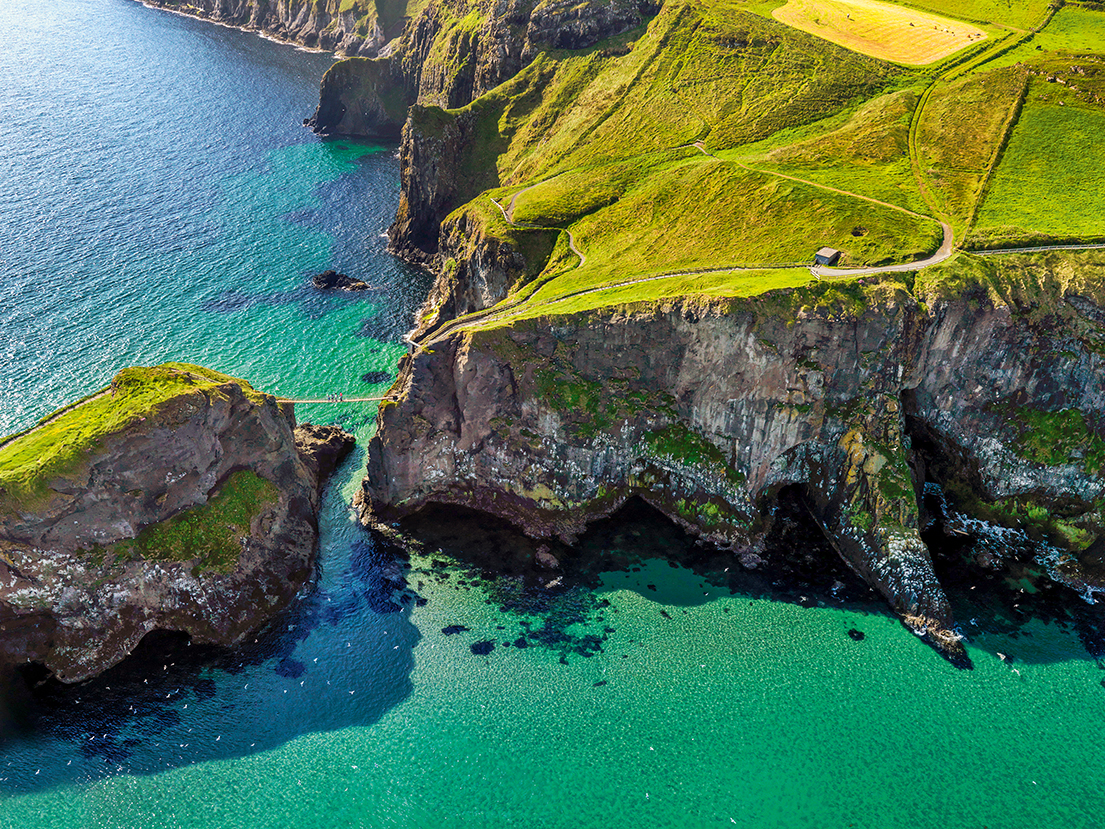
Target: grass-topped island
[177, 498]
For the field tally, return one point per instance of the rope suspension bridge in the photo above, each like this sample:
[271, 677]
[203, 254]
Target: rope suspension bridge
[333, 399]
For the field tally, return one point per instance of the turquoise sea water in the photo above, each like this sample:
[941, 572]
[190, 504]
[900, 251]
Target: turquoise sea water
[160, 201]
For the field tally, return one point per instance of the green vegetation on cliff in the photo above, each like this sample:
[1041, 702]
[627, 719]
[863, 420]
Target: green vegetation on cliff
[212, 533]
[62, 442]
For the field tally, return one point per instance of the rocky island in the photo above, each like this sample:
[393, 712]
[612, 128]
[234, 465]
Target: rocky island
[177, 499]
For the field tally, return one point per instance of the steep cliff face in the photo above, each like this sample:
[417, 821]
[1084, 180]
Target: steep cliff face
[707, 411]
[454, 51]
[192, 510]
[349, 27]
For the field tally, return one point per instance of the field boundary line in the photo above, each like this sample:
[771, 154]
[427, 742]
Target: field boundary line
[999, 153]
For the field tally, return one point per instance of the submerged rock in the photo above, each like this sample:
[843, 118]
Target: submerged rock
[176, 499]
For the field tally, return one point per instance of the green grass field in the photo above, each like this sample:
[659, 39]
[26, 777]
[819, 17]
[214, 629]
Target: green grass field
[61, 442]
[1021, 14]
[1074, 30]
[1050, 183]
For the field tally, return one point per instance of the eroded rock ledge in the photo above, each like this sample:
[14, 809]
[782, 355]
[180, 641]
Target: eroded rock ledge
[177, 499]
[708, 409]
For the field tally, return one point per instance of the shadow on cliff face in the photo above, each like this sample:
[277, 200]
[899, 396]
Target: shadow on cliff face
[340, 656]
[998, 590]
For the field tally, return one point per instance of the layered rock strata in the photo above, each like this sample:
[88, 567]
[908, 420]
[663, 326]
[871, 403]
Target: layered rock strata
[198, 514]
[708, 409]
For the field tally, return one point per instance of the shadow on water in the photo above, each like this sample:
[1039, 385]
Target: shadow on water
[339, 656]
[558, 593]
[562, 605]
[999, 591]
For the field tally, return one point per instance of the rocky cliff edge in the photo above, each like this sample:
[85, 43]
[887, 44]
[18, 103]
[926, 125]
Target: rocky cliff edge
[856, 394]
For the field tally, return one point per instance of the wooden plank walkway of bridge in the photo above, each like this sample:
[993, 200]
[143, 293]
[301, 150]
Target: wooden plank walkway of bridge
[329, 400]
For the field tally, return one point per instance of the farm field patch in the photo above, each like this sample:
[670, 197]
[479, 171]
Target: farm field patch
[1073, 30]
[1050, 184]
[880, 30]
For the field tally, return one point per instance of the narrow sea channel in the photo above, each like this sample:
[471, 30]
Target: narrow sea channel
[161, 201]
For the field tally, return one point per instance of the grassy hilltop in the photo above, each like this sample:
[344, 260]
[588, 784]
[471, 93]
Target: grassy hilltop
[715, 150]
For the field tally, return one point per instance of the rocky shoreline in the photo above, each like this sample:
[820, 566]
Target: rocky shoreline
[315, 27]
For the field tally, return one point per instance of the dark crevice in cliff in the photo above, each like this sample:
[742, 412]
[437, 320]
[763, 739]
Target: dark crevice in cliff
[992, 575]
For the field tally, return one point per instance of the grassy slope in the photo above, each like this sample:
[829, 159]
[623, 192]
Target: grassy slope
[600, 146]
[959, 134]
[866, 152]
[62, 441]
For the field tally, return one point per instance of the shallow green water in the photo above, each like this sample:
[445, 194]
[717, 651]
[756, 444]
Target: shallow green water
[144, 226]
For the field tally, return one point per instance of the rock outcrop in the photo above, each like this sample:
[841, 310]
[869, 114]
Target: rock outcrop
[177, 499]
[348, 27]
[332, 280]
[708, 409]
[454, 51]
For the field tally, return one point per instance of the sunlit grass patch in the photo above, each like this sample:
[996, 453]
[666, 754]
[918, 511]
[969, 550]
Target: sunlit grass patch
[881, 30]
[1050, 183]
[62, 441]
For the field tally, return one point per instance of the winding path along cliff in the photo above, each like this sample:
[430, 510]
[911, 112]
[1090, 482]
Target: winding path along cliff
[177, 499]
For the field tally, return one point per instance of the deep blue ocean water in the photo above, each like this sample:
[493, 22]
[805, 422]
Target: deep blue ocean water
[160, 200]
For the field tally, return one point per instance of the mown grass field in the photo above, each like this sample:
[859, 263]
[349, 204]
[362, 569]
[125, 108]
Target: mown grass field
[881, 30]
[1050, 184]
[62, 441]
